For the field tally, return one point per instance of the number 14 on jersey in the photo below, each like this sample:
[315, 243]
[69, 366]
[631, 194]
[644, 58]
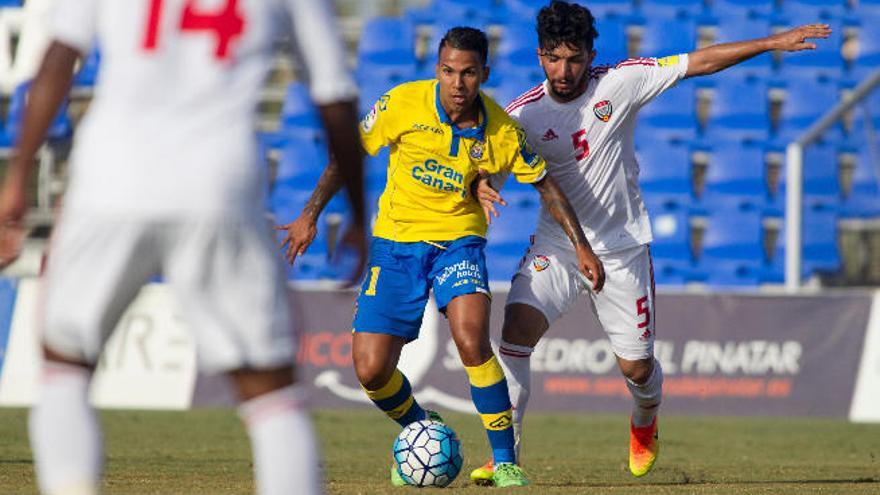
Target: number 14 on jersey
[226, 23]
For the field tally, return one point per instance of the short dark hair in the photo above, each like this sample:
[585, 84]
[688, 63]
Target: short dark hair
[566, 23]
[466, 38]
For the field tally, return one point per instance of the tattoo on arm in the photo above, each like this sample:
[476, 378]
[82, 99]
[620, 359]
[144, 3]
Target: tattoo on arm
[559, 207]
[328, 185]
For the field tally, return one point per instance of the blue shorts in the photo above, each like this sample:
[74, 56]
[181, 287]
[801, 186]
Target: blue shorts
[400, 276]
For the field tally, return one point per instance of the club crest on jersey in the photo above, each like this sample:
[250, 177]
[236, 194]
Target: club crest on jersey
[603, 110]
[477, 150]
[540, 263]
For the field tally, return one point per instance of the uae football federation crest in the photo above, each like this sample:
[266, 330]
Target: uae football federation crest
[477, 150]
[603, 110]
[541, 263]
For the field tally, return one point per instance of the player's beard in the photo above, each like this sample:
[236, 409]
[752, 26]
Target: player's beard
[574, 90]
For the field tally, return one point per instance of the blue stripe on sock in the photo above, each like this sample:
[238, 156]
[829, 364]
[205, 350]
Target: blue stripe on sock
[492, 399]
[397, 399]
[415, 413]
[502, 445]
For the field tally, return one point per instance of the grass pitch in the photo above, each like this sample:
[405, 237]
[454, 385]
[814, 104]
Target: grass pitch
[207, 452]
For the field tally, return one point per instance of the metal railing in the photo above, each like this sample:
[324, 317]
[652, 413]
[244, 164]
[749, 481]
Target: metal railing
[794, 163]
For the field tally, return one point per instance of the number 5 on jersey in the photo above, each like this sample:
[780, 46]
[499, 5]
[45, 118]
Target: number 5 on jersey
[226, 23]
[581, 146]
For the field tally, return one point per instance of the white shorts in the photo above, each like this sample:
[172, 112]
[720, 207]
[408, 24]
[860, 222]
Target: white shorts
[224, 274]
[547, 281]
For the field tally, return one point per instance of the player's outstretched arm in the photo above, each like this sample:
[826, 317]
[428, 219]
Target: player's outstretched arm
[716, 58]
[301, 232]
[559, 207]
[46, 94]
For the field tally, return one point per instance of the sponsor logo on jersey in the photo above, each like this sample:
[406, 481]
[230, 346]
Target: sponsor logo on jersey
[668, 61]
[370, 120]
[427, 128]
[440, 177]
[477, 150]
[603, 110]
[541, 262]
[549, 136]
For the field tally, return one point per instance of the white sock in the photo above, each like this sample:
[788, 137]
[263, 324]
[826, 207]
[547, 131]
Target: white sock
[646, 397]
[516, 360]
[284, 446]
[65, 434]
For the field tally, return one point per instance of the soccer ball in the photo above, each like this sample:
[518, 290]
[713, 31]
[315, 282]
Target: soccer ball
[427, 453]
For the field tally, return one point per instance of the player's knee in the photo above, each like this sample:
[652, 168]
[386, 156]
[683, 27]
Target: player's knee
[372, 373]
[637, 371]
[474, 350]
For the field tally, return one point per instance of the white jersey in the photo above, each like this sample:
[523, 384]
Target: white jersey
[171, 128]
[589, 149]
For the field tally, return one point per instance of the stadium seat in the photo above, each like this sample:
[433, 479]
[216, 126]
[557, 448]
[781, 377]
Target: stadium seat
[732, 251]
[611, 45]
[664, 36]
[299, 116]
[508, 235]
[665, 172]
[301, 163]
[795, 116]
[740, 108]
[673, 113]
[61, 128]
[821, 185]
[87, 74]
[863, 199]
[869, 44]
[516, 56]
[817, 10]
[511, 88]
[386, 50]
[670, 8]
[672, 236]
[750, 8]
[735, 178]
[738, 26]
[819, 251]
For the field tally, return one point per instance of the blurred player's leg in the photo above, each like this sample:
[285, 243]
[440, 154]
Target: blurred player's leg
[64, 431]
[229, 284]
[283, 443]
[96, 266]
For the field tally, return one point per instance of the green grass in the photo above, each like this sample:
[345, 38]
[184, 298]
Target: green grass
[207, 452]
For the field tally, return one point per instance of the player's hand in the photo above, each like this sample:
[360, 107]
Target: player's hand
[487, 196]
[795, 40]
[300, 234]
[13, 205]
[590, 267]
[354, 241]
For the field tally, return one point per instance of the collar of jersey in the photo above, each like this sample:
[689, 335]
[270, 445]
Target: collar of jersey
[478, 132]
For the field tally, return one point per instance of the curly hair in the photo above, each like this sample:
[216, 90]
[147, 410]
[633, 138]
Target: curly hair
[466, 38]
[566, 23]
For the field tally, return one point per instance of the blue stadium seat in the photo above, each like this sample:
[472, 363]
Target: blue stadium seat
[439, 28]
[664, 36]
[863, 200]
[299, 115]
[462, 12]
[301, 163]
[816, 10]
[819, 252]
[821, 185]
[87, 74]
[611, 45]
[516, 56]
[386, 50]
[727, 8]
[11, 3]
[796, 115]
[736, 178]
[740, 108]
[869, 43]
[671, 8]
[665, 172]
[528, 9]
[732, 251]
[508, 235]
[736, 26]
[60, 129]
[673, 113]
[671, 247]
[511, 88]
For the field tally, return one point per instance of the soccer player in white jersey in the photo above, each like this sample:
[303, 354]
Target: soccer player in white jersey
[165, 179]
[581, 119]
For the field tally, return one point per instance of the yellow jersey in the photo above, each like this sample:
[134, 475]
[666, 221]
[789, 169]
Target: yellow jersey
[432, 162]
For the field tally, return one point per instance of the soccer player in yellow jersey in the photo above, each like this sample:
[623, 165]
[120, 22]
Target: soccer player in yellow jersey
[430, 233]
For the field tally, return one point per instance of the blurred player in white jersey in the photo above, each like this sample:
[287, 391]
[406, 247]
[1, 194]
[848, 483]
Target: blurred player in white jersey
[165, 179]
[581, 119]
